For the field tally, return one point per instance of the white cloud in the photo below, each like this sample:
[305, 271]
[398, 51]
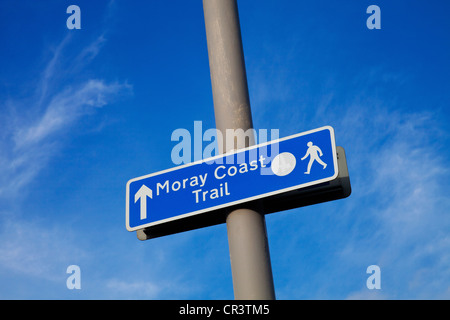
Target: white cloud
[67, 107]
[32, 130]
[133, 290]
[399, 176]
[366, 294]
[397, 216]
[30, 248]
[50, 70]
[31, 135]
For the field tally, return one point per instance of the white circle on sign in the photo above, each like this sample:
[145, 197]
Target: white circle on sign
[283, 164]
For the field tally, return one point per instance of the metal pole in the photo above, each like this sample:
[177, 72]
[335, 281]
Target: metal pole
[247, 236]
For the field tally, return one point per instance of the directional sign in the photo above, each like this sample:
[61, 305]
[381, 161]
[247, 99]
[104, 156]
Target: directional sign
[202, 187]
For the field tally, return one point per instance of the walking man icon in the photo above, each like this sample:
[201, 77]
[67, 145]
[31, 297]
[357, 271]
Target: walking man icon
[313, 153]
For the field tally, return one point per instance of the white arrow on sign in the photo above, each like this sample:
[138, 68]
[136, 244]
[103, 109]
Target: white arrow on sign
[142, 194]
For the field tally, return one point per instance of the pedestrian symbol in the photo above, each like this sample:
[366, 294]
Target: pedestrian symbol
[312, 152]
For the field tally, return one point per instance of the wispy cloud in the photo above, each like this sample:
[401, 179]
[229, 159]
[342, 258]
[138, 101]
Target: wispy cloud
[398, 173]
[397, 216]
[67, 107]
[28, 145]
[91, 51]
[133, 290]
[35, 127]
[51, 69]
[37, 250]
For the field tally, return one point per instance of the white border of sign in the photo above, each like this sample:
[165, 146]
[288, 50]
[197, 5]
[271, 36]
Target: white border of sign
[228, 204]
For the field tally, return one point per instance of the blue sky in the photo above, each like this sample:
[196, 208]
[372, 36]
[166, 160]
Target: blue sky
[83, 111]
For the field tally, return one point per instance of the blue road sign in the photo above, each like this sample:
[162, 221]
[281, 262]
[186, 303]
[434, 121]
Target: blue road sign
[263, 170]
